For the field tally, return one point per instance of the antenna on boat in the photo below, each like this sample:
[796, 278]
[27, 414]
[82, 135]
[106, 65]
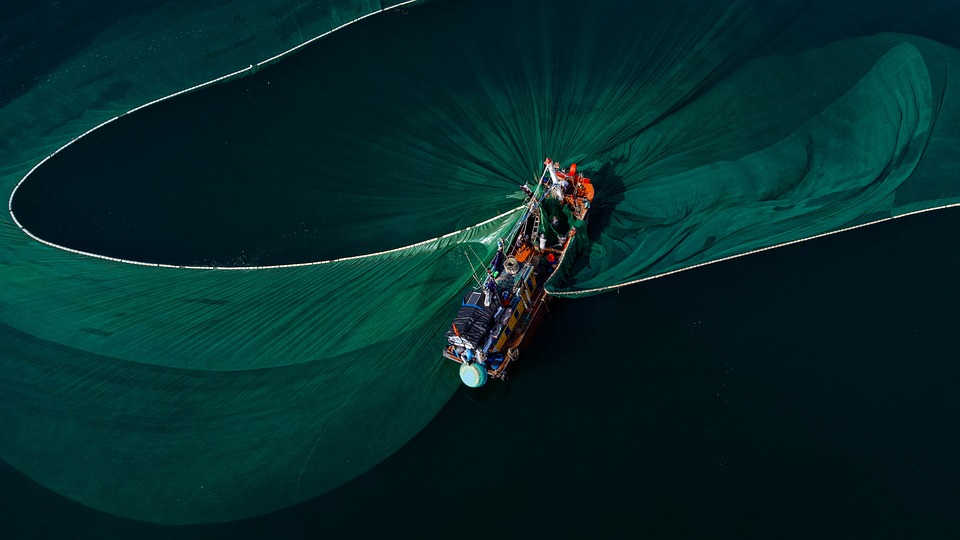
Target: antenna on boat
[487, 270]
[474, 274]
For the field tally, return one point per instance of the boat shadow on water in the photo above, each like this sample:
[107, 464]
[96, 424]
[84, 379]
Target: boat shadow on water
[610, 193]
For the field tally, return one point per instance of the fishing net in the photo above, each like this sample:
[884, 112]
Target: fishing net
[297, 238]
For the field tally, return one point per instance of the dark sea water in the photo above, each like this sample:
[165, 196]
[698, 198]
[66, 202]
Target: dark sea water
[809, 391]
[805, 392]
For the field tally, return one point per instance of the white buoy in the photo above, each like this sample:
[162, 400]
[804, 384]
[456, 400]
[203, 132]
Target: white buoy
[473, 375]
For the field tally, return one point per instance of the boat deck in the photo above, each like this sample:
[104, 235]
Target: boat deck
[497, 319]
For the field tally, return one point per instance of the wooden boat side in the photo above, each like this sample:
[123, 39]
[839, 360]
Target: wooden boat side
[525, 334]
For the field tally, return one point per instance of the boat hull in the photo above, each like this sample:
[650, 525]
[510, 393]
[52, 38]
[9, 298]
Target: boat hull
[501, 317]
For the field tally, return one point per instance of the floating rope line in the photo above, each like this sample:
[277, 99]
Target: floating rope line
[572, 294]
[245, 71]
[273, 266]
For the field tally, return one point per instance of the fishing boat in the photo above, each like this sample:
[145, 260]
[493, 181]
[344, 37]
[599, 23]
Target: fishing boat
[498, 318]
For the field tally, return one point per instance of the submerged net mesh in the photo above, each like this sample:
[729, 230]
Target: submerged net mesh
[391, 150]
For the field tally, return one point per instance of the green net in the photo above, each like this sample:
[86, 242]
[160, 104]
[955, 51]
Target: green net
[178, 391]
[850, 160]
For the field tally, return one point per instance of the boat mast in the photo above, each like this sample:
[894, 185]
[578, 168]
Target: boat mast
[553, 170]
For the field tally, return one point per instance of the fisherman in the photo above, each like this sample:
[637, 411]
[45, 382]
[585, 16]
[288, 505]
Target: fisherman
[489, 291]
[524, 250]
[559, 189]
[551, 260]
[558, 185]
[497, 264]
[522, 240]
